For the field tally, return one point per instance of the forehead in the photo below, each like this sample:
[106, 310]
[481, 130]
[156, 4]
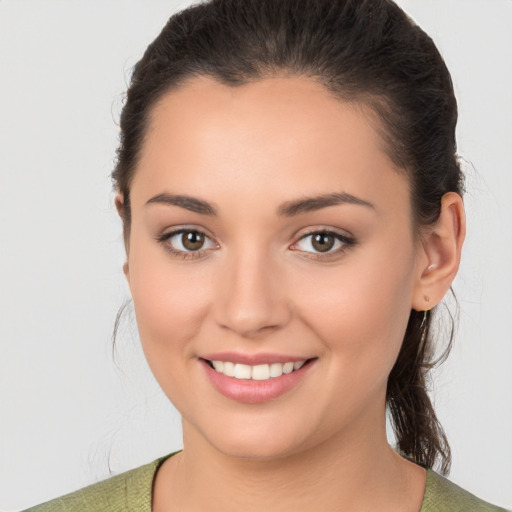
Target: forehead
[282, 134]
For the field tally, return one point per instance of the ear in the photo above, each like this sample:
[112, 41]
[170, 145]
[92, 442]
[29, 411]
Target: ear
[126, 271]
[441, 251]
[119, 202]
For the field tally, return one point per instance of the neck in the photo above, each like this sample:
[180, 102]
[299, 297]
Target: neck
[353, 471]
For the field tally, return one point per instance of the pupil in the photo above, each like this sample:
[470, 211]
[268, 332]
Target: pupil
[323, 242]
[192, 240]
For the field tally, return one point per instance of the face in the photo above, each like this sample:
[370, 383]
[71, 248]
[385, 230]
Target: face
[270, 228]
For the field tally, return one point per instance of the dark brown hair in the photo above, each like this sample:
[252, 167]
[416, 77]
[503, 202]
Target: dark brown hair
[359, 50]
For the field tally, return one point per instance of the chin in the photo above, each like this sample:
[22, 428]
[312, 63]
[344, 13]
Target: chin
[257, 442]
[257, 452]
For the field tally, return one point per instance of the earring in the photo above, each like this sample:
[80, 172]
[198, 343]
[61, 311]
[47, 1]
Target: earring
[431, 267]
[425, 314]
[424, 319]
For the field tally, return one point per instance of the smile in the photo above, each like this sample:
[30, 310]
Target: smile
[256, 372]
[267, 378]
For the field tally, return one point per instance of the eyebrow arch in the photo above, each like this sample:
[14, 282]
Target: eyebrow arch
[287, 209]
[190, 203]
[309, 204]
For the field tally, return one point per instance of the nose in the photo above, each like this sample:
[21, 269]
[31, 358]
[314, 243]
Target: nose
[251, 295]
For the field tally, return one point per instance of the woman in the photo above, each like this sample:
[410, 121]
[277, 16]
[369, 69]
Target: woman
[292, 212]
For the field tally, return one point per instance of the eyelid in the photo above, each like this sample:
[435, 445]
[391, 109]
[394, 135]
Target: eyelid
[164, 239]
[347, 241]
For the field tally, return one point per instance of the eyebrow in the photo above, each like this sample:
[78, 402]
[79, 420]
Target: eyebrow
[188, 202]
[287, 209]
[310, 204]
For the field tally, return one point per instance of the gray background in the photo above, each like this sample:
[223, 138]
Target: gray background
[69, 413]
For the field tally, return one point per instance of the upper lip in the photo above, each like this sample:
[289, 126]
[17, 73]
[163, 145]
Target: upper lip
[253, 359]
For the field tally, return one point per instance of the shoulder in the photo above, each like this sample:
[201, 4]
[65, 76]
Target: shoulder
[128, 491]
[441, 495]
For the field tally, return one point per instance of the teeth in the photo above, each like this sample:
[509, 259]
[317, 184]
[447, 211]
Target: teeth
[260, 372]
[257, 372]
[218, 365]
[228, 368]
[298, 365]
[276, 370]
[287, 367]
[242, 371]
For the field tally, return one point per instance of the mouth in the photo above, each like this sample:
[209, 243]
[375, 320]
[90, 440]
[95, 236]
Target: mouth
[255, 378]
[259, 372]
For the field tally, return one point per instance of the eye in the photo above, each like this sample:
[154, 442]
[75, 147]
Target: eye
[323, 242]
[186, 242]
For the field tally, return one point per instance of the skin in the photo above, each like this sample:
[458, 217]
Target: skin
[259, 286]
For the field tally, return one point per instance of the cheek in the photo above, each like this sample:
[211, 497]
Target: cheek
[169, 300]
[360, 311]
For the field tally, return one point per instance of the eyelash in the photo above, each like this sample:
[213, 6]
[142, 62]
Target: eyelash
[347, 243]
[188, 255]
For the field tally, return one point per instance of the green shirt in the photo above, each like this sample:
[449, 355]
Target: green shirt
[131, 492]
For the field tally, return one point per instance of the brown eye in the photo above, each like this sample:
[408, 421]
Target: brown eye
[323, 242]
[192, 240]
[186, 242]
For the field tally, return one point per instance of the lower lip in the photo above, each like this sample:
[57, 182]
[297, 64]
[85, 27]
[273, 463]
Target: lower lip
[255, 391]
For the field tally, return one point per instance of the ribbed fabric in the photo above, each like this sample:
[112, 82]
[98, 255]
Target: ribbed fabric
[127, 492]
[441, 495]
[131, 492]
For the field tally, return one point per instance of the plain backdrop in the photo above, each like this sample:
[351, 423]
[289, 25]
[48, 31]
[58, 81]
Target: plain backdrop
[71, 413]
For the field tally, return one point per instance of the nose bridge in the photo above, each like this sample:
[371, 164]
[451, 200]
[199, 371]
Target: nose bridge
[251, 299]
